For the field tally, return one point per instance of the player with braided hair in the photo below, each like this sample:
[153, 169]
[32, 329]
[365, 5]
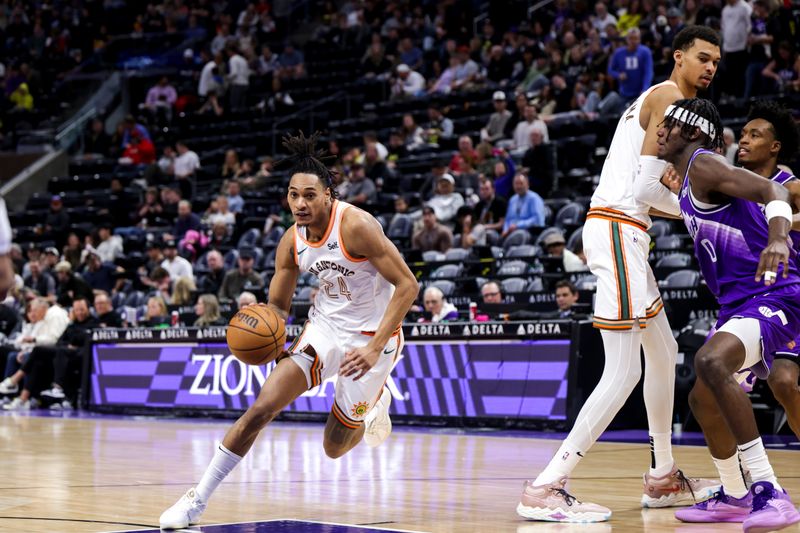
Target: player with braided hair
[743, 251]
[353, 330]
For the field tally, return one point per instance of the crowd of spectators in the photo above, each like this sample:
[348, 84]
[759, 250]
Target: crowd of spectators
[486, 185]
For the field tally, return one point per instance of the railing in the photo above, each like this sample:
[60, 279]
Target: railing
[537, 6]
[310, 115]
[71, 131]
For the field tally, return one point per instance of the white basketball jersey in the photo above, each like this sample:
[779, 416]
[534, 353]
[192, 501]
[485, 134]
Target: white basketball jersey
[352, 296]
[5, 229]
[615, 190]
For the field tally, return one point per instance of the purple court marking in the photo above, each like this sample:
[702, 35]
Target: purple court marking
[279, 526]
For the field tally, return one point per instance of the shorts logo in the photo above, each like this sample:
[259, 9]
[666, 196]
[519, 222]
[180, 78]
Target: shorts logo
[360, 409]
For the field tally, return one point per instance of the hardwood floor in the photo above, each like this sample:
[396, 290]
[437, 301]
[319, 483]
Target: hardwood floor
[112, 474]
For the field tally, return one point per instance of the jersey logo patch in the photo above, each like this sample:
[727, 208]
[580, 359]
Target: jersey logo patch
[301, 251]
[359, 409]
[333, 245]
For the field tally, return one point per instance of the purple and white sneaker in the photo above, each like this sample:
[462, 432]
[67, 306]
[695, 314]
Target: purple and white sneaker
[719, 508]
[772, 509]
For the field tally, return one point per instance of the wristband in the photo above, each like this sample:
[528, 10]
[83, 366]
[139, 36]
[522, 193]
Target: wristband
[778, 208]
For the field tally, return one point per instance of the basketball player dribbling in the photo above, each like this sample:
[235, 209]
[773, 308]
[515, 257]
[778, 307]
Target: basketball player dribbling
[628, 308]
[353, 329]
[740, 225]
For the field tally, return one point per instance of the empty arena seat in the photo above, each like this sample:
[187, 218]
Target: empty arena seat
[659, 228]
[303, 293]
[430, 256]
[273, 236]
[523, 250]
[400, 227]
[456, 254]
[514, 285]
[514, 268]
[575, 238]
[249, 238]
[682, 278]
[516, 237]
[676, 260]
[446, 271]
[586, 283]
[669, 242]
[535, 285]
[571, 214]
[230, 259]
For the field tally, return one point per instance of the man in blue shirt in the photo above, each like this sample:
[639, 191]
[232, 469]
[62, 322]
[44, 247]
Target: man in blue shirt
[632, 66]
[525, 208]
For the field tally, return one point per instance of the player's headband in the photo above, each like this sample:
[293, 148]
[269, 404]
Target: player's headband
[684, 115]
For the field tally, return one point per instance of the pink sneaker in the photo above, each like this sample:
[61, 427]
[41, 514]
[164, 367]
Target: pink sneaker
[719, 508]
[675, 489]
[552, 503]
[772, 509]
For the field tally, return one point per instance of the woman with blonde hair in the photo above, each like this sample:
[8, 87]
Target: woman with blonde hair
[182, 291]
[156, 315]
[207, 309]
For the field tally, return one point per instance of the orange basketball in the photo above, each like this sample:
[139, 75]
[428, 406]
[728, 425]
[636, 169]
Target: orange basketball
[256, 335]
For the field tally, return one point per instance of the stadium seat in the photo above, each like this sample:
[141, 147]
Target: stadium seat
[511, 285]
[446, 271]
[586, 283]
[400, 227]
[303, 293]
[445, 285]
[571, 214]
[669, 242]
[546, 233]
[230, 259]
[535, 285]
[523, 250]
[677, 260]
[514, 268]
[516, 237]
[456, 254]
[432, 256]
[575, 238]
[273, 236]
[682, 278]
[659, 228]
[249, 238]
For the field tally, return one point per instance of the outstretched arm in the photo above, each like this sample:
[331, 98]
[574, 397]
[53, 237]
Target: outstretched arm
[365, 239]
[712, 173]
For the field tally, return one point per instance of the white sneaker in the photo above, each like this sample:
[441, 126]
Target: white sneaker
[377, 424]
[8, 387]
[184, 513]
[57, 393]
[18, 405]
[63, 405]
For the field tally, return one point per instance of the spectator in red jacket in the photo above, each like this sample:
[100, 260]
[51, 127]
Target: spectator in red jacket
[139, 151]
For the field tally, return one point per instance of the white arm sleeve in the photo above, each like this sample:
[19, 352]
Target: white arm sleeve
[648, 189]
[5, 229]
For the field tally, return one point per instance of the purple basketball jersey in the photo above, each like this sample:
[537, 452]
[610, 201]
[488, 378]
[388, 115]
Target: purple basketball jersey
[728, 240]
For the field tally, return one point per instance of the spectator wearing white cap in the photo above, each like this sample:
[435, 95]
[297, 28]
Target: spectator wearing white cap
[498, 120]
[446, 201]
[408, 84]
[554, 245]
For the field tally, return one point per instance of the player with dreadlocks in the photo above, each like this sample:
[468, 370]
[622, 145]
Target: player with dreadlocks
[743, 251]
[353, 329]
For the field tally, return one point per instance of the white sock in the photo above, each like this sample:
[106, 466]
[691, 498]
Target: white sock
[621, 373]
[221, 465]
[661, 461]
[730, 474]
[754, 458]
[562, 464]
[660, 355]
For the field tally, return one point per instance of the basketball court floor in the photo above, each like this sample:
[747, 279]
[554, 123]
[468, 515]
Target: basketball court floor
[84, 472]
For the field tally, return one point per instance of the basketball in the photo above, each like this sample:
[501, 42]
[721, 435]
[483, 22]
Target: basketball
[256, 335]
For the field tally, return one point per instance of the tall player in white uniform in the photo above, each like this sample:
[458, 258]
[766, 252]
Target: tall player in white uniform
[6, 266]
[628, 308]
[354, 330]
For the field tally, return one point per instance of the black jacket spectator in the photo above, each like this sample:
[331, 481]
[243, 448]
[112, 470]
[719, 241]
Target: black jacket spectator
[71, 286]
[110, 320]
